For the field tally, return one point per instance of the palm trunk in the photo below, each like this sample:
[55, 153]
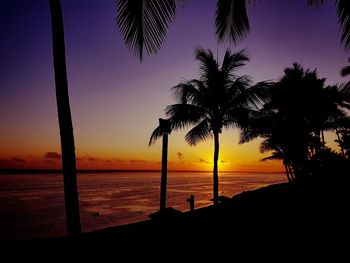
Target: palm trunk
[215, 170]
[287, 173]
[323, 141]
[291, 173]
[163, 179]
[340, 142]
[65, 121]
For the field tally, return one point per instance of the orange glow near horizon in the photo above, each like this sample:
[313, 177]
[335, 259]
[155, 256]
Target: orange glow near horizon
[233, 157]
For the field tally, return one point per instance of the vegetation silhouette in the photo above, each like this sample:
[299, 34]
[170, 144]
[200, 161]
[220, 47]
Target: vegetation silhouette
[293, 121]
[219, 99]
[144, 23]
[163, 130]
[65, 122]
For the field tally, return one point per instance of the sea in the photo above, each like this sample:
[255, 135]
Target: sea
[32, 205]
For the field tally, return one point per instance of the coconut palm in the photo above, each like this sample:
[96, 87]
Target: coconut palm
[218, 99]
[65, 121]
[163, 130]
[144, 23]
[292, 122]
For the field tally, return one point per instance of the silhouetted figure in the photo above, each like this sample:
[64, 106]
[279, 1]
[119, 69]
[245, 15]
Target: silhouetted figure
[191, 202]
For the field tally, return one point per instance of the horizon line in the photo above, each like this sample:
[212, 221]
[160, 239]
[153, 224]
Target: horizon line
[57, 171]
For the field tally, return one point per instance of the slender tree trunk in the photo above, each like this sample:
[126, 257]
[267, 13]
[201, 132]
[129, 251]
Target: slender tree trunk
[291, 173]
[65, 121]
[340, 142]
[287, 173]
[163, 178]
[215, 170]
[323, 141]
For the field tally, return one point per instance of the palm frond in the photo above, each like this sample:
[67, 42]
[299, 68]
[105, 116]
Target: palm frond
[343, 9]
[314, 3]
[345, 71]
[144, 23]
[198, 133]
[208, 64]
[273, 156]
[187, 90]
[183, 115]
[233, 61]
[231, 20]
[156, 134]
[259, 94]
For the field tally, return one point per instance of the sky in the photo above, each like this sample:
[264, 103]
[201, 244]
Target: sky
[116, 100]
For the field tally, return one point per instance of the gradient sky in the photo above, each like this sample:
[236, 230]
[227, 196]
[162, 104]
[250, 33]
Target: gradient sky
[116, 101]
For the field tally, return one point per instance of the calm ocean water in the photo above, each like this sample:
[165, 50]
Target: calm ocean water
[32, 205]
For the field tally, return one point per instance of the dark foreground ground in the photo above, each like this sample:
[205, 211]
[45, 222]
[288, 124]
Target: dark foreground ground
[283, 222]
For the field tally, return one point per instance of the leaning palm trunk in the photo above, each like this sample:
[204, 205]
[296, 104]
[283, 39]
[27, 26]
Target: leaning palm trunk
[163, 178]
[215, 170]
[65, 121]
[287, 173]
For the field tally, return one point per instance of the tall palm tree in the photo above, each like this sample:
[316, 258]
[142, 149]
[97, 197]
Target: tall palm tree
[218, 99]
[65, 122]
[164, 129]
[292, 122]
[144, 23]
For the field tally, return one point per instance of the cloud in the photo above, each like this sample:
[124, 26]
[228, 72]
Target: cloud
[92, 159]
[180, 155]
[52, 155]
[203, 161]
[18, 160]
[12, 160]
[137, 161]
[223, 161]
[49, 161]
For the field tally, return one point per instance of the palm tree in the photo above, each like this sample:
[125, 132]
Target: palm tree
[218, 99]
[293, 121]
[65, 122]
[164, 129]
[144, 23]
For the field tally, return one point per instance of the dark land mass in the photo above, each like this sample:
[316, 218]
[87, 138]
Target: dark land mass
[280, 222]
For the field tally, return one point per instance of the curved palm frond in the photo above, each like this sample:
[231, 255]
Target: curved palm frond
[163, 127]
[208, 64]
[198, 133]
[183, 115]
[343, 9]
[231, 20]
[156, 134]
[259, 94]
[345, 71]
[144, 23]
[315, 3]
[188, 90]
[274, 156]
[233, 61]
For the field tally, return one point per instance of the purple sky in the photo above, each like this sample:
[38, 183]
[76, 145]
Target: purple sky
[116, 101]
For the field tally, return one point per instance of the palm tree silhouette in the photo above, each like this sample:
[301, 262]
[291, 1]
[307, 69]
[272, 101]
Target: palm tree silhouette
[219, 99]
[144, 23]
[163, 130]
[65, 122]
[293, 121]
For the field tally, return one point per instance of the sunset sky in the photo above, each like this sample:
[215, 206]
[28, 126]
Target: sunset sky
[116, 100]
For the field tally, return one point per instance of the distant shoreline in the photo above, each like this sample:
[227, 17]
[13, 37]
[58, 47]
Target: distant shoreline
[85, 171]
